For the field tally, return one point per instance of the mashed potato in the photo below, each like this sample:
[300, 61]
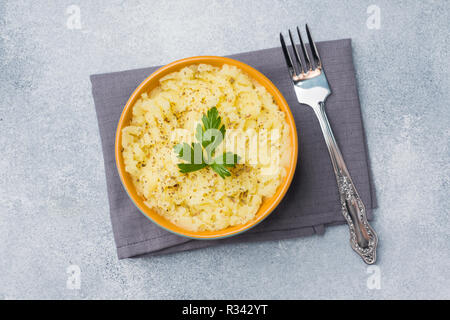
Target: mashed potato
[202, 200]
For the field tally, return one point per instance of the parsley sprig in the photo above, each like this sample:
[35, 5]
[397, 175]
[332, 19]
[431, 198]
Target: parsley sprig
[209, 134]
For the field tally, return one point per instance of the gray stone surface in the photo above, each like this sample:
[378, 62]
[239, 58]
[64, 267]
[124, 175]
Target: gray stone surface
[53, 203]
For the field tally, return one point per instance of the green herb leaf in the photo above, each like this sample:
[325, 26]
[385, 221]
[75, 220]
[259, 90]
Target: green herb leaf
[189, 167]
[221, 170]
[209, 136]
[227, 159]
[211, 122]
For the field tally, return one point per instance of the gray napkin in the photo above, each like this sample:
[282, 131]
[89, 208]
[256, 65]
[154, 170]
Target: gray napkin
[312, 201]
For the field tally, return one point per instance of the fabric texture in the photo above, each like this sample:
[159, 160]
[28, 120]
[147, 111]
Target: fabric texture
[311, 203]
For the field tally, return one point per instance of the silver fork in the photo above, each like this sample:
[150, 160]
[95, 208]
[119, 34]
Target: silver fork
[311, 88]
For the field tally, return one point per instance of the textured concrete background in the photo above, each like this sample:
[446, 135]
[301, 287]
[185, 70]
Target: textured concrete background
[53, 202]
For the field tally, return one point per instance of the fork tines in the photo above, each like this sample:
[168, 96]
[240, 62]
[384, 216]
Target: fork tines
[301, 68]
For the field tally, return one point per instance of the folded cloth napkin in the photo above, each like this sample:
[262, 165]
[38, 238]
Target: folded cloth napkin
[312, 201]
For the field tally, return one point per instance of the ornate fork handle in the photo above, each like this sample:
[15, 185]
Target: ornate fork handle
[363, 238]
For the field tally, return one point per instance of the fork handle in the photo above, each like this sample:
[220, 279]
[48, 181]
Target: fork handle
[363, 238]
